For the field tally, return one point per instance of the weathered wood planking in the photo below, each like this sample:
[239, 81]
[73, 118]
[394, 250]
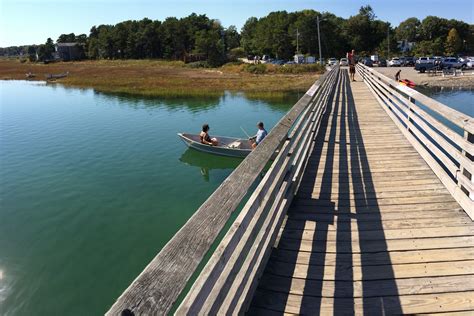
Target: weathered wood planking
[457, 159]
[372, 228]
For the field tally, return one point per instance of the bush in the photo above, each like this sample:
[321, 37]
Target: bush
[298, 69]
[256, 69]
[199, 64]
[236, 53]
[233, 63]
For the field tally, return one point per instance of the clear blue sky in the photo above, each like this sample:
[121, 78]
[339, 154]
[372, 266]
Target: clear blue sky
[32, 21]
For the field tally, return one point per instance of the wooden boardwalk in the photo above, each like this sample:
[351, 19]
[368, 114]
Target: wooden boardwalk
[367, 208]
[372, 229]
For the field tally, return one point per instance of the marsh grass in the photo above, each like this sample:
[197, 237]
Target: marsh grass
[168, 79]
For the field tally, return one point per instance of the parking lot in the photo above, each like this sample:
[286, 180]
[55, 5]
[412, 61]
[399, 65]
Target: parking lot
[465, 81]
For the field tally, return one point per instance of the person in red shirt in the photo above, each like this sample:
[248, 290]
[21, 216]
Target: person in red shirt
[351, 57]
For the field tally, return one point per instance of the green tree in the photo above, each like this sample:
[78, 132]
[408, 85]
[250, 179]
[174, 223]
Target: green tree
[453, 43]
[232, 38]
[248, 35]
[45, 51]
[408, 30]
[66, 38]
[210, 43]
[31, 53]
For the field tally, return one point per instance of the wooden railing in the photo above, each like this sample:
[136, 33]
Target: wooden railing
[228, 279]
[430, 127]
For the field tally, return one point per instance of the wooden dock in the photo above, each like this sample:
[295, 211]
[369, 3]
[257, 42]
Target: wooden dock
[366, 209]
[372, 229]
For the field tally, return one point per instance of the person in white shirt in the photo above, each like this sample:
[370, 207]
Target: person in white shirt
[261, 134]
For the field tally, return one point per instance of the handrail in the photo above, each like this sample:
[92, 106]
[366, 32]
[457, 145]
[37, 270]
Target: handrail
[227, 283]
[449, 154]
[159, 285]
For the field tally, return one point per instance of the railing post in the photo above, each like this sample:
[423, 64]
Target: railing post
[463, 172]
[410, 111]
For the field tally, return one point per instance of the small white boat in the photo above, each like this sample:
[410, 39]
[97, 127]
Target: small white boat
[228, 146]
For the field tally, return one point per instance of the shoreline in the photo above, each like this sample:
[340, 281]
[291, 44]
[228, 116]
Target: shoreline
[430, 81]
[157, 78]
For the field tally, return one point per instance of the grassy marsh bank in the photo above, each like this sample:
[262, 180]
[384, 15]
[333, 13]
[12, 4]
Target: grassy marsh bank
[157, 78]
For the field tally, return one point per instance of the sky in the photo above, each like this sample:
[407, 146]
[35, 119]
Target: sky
[24, 22]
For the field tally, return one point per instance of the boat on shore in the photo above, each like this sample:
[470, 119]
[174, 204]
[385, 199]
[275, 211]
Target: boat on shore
[58, 76]
[227, 146]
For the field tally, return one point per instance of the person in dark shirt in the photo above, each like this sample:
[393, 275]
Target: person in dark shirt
[205, 138]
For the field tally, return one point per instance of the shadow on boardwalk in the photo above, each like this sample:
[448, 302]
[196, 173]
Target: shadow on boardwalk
[324, 257]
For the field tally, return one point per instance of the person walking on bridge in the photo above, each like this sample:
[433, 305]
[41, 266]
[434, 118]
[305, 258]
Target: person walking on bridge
[351, 57]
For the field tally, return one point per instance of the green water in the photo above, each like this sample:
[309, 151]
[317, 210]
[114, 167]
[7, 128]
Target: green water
[92, 186]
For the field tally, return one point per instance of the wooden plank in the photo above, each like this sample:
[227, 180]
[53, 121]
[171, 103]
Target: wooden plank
[371, 246]
[361, 236]
[338, 189]
[381, 305]
[364, 195]
[367, 288]
[380, 272]
[296, 219]
[323, 201]
[380, 258]
[410, 207]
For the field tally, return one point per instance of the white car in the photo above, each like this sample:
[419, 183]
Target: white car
[344, 62]
[332, 61]
[467, 61]
[426, 60]
[394, 62]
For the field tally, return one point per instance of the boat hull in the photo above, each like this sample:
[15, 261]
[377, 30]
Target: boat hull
[222, 149]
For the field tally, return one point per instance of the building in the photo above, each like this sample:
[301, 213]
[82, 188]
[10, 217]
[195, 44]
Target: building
[405, 46]
[298, 58]
[69, 51]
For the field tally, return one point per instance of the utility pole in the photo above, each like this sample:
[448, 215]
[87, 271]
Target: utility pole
[319, 41]
[297, 41]
[388, 42]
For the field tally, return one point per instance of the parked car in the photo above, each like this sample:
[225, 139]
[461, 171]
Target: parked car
[470, 62]
[425, 63]
[382, 62]
[394, 62]
[409, 61]
[320, 61]
[425, 60]
[466, 59]
[344, 62]
[452, 62]
[332, 61]
[277, 62]
[367, 61]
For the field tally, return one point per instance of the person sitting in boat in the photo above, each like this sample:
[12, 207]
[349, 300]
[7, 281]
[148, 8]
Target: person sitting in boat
[261, 134]
[205, 138]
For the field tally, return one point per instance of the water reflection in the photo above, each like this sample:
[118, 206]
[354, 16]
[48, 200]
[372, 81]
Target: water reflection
[207, 162]
[194, 104]
[457, 98]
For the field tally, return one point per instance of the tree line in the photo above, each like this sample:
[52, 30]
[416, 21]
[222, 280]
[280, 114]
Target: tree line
[279, 35]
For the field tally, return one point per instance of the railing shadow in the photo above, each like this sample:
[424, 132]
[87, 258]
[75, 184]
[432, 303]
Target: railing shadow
[375, 292]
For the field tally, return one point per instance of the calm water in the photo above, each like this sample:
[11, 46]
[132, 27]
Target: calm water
[92, 186]
[459, 99]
